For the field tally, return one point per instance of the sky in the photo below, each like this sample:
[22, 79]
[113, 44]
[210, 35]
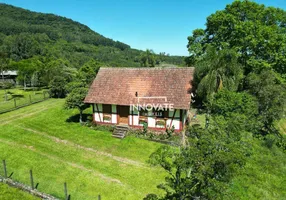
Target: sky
[160, 25]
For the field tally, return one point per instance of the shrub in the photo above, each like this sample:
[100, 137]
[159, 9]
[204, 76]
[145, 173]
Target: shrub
[89, 118]
[170, 131]
[145, 128]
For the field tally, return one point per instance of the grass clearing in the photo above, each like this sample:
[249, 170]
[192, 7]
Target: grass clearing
[264, 175]
[20, 97]
[40, 137]
[282, 125]
[48, 139]
[9, 193]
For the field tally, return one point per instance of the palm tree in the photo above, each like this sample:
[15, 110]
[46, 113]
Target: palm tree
[217, 70]
[148, 58]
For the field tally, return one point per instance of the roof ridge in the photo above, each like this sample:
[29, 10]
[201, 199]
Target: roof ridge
[145, 68]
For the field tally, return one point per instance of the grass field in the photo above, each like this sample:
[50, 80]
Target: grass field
[282, 125]
[9, 193]
[21, 97]
[48, 139]
[41, 137]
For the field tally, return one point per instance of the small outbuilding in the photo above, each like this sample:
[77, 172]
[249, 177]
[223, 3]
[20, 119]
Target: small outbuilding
[8, 76]
[159, 97]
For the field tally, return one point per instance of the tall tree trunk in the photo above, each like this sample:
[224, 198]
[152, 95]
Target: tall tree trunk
[80, 116]
[25, 82]
[6, 97]
[2, 73]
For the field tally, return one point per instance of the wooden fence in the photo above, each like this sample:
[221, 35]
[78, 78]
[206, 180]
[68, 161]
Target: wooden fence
[16, 103]
[33, 188]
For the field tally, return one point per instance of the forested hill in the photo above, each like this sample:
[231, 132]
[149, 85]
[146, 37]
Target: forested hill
[31, 35]
[17, 20]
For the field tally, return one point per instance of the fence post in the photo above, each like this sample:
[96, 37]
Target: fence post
[15, 103]
[5, 169]
[66, 191]
[32, 180]
[99, 197]
[30, 98]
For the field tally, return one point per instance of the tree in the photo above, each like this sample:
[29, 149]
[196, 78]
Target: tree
[148, 58]
[235, 112]
[202, 170]
[57, 67]
[6, 85]
[75, 100]
[22, 46]
[255, 32]
[217, 70]
[26, 69]
[88, 71]
[271, 95]
[4, 63]
[57, 87]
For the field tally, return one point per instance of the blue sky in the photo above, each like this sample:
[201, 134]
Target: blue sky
[161, 25]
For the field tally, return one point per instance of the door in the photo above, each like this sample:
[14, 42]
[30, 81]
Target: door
[123, 113]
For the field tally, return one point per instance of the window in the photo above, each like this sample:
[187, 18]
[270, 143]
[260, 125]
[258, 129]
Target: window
[161, 114]
[143, 113]
[106, 108]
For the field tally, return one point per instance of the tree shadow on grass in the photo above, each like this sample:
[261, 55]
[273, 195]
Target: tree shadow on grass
[18, 96]
[75, 118]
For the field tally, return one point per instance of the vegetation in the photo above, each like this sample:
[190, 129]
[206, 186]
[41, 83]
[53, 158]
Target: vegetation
[255, 32]
[8, 193]
[217, 70]
[48, 139]
[19, 96]
[240, 85]
[42, 47]
[239, 80]
[75, 100]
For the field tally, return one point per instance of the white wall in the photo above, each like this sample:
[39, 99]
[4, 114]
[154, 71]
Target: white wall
[135, 118]
[151, 122]
[98, 117]
[114, 116]
[175, 122]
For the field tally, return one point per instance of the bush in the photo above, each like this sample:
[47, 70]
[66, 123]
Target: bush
[89, 118]
[6, 85]
[103, 128]
[270, 140]
[145, 128]
[170, 131]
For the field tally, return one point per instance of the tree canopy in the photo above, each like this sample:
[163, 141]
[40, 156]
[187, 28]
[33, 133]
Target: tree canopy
[75, 100]
[255, 32]
[239, 80]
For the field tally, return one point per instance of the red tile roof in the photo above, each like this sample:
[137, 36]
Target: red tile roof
[118, 86]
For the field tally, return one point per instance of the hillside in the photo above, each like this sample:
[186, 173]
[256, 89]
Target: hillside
[25, 34]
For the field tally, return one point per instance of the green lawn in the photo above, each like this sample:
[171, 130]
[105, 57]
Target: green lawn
[21, 97]
[9, 193]
[282, 125]
[264, 176]
[39, 137]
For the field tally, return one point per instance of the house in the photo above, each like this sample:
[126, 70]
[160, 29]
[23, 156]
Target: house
[159, 97]
[9, 76]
